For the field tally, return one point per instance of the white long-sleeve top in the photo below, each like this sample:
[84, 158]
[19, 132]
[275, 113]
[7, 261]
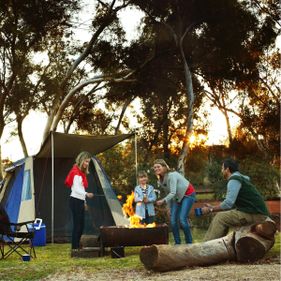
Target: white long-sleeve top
[78, 189]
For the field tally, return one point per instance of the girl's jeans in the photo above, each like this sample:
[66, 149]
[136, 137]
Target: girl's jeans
[179, 214]
[77, 209]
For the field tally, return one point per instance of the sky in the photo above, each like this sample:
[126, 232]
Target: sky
[33, 125]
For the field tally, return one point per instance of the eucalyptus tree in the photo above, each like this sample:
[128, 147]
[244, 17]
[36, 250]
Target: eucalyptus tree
[260, 116]
[86, 113]
[23, 26]
[214, 39]
[43, 27]
[106, 18]
[257, 104]
[256, 84]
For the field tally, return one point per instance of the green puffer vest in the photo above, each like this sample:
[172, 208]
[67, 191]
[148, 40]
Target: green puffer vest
[249, 200]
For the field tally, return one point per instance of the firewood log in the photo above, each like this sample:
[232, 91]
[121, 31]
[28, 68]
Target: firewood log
[168, 257]
[246, 244]
[253, 242]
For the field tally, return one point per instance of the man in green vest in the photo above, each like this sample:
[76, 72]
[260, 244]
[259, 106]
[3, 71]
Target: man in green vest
[242, 206]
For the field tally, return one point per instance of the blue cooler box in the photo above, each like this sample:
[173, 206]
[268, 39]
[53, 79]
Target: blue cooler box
[39, 238]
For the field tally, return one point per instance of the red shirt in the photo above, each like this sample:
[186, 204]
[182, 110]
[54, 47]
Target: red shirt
[75, 171]
[190, 189]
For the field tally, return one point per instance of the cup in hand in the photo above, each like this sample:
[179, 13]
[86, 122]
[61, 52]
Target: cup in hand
[198, 212]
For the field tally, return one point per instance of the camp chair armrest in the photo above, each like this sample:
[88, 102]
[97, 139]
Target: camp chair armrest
[17, 226]
[21, 223]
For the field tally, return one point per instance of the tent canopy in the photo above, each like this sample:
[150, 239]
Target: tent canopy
[37, 185]
[70, 145]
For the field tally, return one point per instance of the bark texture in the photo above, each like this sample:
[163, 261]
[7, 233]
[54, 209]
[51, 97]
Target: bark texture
[247, 244]
[168, 257]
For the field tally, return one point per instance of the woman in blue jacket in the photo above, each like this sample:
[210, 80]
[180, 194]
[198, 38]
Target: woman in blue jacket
[180, 196]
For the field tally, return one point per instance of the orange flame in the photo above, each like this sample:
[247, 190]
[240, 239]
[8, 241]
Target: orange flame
[135, 222]
[128, 210]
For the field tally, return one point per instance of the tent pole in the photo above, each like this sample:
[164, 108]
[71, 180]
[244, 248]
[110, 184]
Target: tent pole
[136, 156]
[53, 186]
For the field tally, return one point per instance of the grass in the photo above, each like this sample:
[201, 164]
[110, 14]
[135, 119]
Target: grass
[275, 250]
[205, 196]
[56, 258]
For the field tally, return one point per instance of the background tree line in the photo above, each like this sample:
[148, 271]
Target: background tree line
[187, 53]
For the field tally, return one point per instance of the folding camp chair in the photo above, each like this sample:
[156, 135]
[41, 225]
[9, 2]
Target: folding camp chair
[15, 236]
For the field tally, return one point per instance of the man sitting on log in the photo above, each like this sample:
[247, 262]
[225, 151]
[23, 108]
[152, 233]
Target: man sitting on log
[246, 203]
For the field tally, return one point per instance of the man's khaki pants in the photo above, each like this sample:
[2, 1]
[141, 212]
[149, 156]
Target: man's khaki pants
[233, 218]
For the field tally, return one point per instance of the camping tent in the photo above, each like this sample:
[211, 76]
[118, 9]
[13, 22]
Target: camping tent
[35, 186]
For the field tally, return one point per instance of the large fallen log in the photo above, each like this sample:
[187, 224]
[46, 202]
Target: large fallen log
[247, 244]
[168, 257]
[253, 242]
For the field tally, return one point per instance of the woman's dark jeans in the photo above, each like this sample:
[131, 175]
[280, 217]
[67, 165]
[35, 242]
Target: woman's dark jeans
[78, 212]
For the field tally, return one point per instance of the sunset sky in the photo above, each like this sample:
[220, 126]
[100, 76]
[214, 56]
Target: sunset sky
[33, 127]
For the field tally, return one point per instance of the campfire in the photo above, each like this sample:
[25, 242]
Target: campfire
[129, 211]
[135, 234]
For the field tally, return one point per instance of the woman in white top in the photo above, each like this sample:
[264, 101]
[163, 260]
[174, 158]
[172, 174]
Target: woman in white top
[77, 181]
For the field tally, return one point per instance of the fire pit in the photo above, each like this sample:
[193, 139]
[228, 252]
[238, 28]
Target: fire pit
[120, 236]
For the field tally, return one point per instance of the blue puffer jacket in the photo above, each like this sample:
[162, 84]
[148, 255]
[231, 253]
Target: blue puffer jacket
[140, 205]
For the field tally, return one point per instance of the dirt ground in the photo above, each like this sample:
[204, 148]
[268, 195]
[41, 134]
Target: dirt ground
[269, 271]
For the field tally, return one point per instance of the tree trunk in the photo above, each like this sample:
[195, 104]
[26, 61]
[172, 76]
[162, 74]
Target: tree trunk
[2, 125]
[1, 165]
[191, 99]
[225, 113]
[167, 257]
[57, 109]
[22, 141]
[166, 109]
[250, 242]
[259, 142]
[125, 106]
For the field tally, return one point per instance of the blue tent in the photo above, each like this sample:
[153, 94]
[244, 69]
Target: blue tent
[34, 187]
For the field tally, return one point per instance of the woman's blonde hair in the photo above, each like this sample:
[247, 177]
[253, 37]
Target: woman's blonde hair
[162, 162]
[82, 156]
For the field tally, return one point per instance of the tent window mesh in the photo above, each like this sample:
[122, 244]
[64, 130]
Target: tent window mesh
[26, 189]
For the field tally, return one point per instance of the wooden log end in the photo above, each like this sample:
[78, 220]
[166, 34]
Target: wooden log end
[148, 256]
[162, 258]
[249, 249]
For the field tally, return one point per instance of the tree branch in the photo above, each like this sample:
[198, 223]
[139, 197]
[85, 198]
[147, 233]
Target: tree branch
[81, 86]
[107, 20]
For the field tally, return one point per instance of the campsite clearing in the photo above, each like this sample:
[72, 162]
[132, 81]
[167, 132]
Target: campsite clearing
[54, 263]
